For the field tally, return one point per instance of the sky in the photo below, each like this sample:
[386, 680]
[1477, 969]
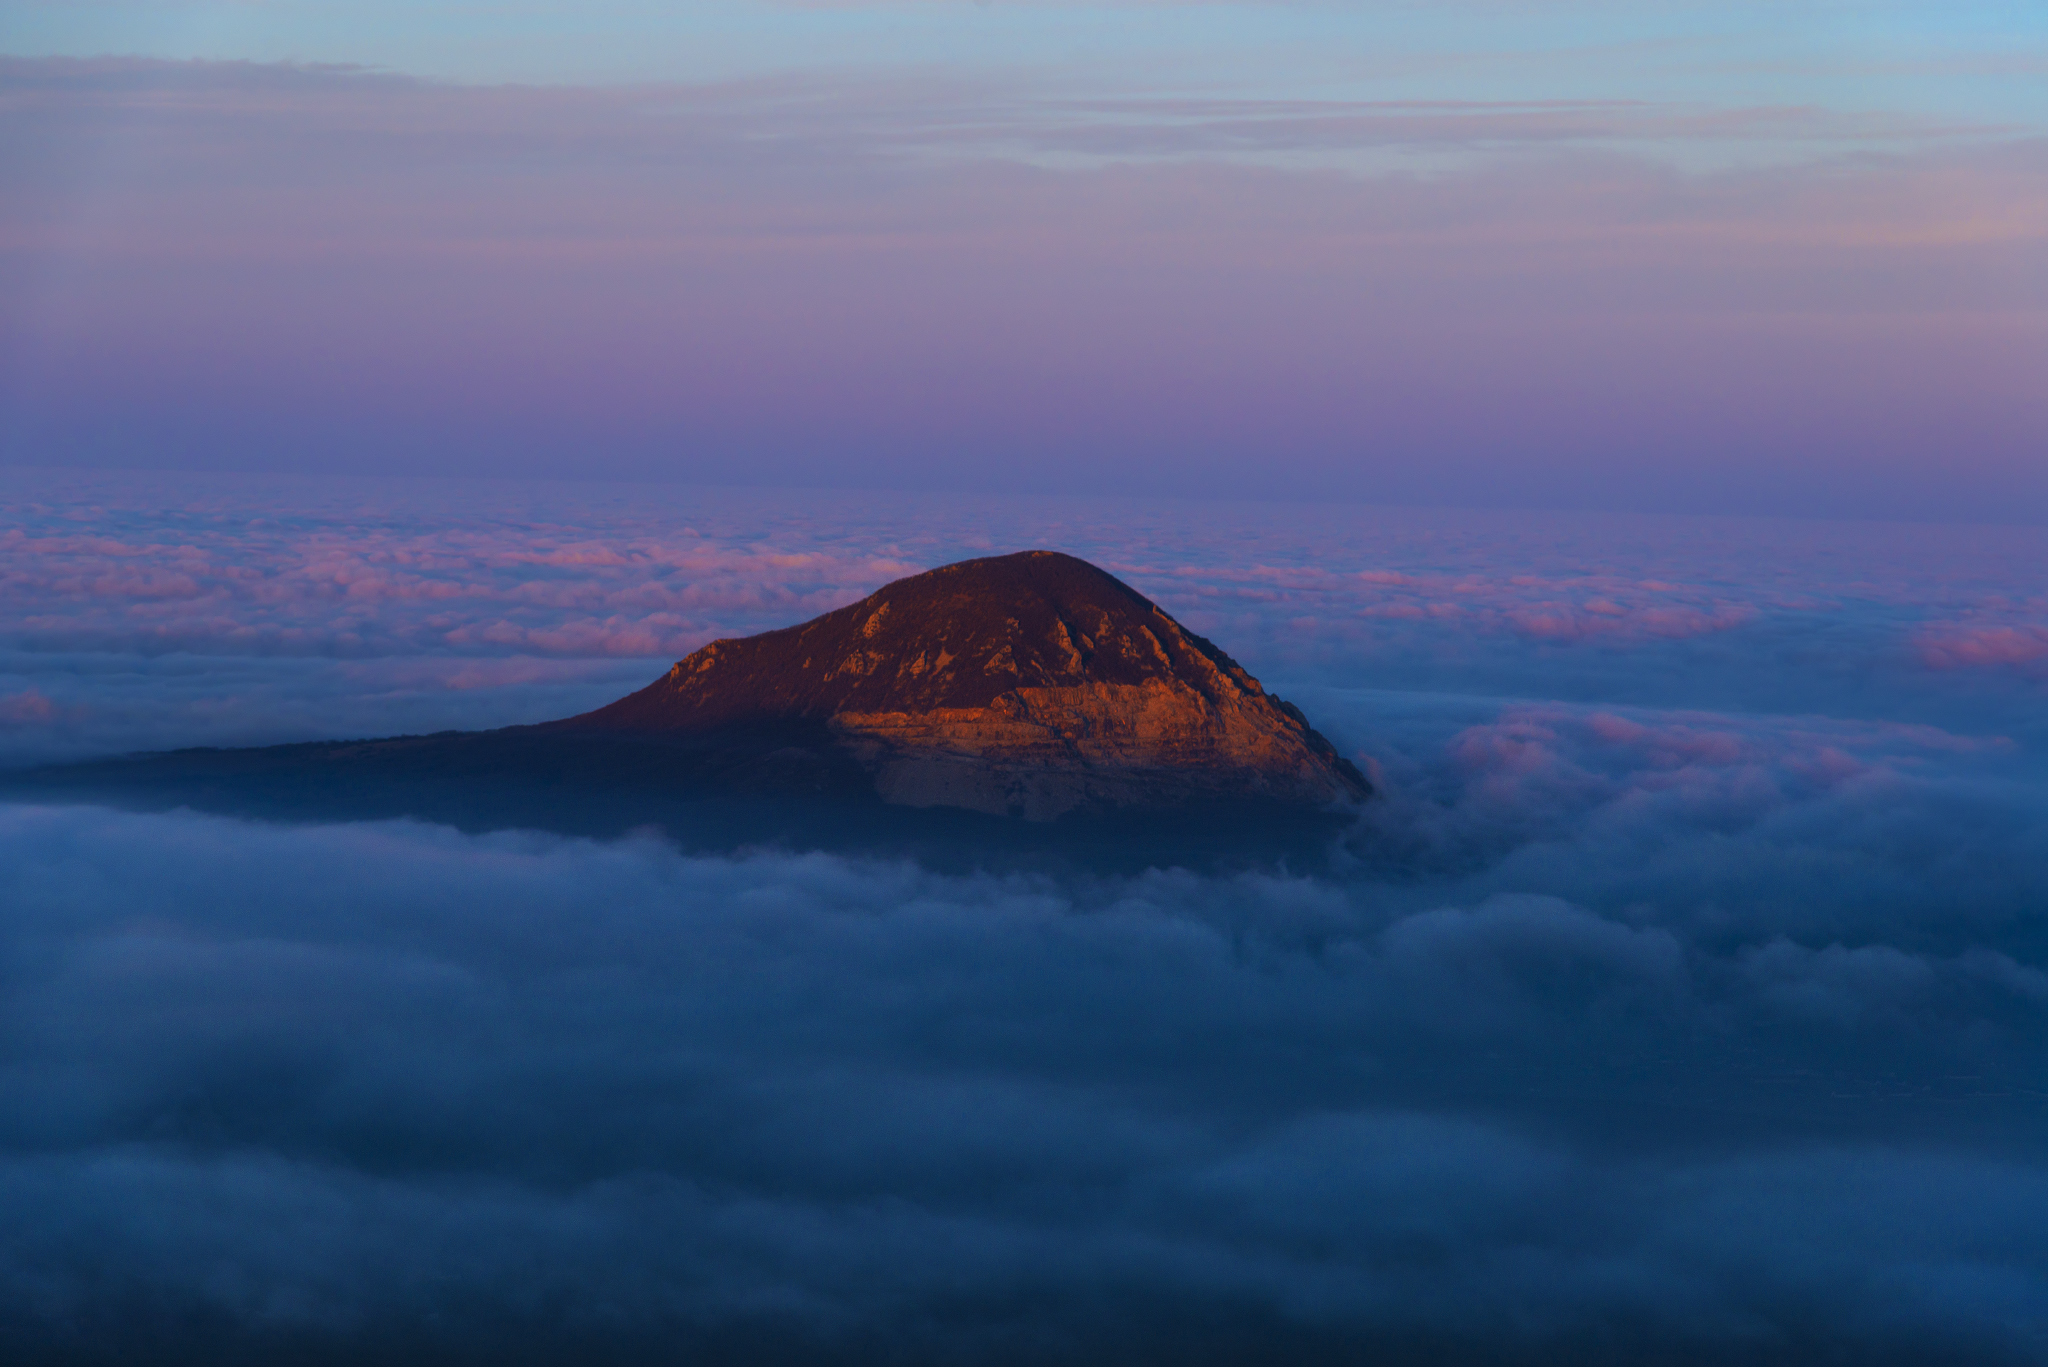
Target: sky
[1619, 428]
[1742, 259]
[1681, 996]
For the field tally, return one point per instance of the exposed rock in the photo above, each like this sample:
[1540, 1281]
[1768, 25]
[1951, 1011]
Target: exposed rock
[1032, 684]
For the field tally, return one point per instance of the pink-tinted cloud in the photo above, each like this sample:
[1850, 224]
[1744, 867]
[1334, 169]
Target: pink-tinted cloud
[1962, 646]
[178, 609]
[509, 578]
[492, 570]
[27, 708]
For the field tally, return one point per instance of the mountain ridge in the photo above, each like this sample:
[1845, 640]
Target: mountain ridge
[1030, 684]
[1132, 744]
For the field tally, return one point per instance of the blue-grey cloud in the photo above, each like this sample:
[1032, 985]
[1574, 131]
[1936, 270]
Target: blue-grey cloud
[1683, 996]
[389, 1089]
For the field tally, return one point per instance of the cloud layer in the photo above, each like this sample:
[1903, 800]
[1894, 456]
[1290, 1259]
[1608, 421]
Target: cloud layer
[1688, 1040]
[1683, 997]
[146, 612]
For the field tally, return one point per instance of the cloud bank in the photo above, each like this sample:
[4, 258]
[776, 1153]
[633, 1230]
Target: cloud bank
[1682, 997]
[143, 611]
[1687, 1041]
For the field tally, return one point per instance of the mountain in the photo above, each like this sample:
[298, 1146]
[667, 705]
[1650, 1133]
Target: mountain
[1031, 685]
[1015, 711]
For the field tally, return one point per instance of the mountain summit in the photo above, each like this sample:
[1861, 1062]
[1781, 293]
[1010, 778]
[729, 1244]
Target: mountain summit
[1032, 684]
[912, 725]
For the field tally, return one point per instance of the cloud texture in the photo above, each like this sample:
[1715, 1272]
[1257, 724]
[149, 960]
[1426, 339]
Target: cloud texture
[142, 611]
[1684, 996]
[1755, 1074]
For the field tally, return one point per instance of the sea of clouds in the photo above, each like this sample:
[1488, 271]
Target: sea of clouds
[1685, 997]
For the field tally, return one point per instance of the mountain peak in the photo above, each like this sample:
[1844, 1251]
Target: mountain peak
[1032, 683]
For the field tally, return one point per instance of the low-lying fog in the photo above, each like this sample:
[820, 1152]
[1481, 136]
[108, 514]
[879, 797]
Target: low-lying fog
[1688, 1002]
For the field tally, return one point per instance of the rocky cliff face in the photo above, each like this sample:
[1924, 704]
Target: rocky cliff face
[1032, 684]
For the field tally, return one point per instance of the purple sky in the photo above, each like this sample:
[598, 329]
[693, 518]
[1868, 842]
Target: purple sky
[837, 279]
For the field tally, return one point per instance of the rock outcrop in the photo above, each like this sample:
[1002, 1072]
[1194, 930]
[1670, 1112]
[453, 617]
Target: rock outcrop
[1032, 684]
